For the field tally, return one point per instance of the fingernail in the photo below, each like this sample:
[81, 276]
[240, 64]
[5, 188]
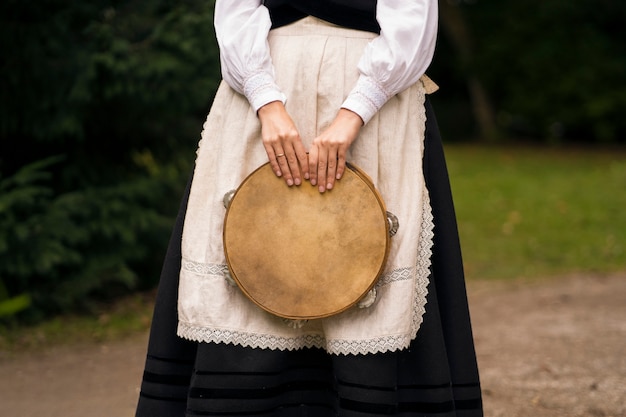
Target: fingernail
[313, 181]
[290, 182]
[306, 175]
[321, 188]
[297, 181]
[329, 186]
[338, 176]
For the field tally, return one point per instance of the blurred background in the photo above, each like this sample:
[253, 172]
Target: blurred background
[102, 104]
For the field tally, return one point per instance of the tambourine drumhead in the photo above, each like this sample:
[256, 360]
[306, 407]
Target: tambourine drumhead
[300, 254]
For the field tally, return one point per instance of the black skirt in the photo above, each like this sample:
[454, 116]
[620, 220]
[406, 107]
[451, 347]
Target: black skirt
[436, 376]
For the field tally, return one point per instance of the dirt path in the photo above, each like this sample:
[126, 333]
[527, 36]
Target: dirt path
[544, 349]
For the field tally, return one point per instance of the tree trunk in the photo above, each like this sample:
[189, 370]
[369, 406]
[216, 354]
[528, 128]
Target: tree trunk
[454, 26]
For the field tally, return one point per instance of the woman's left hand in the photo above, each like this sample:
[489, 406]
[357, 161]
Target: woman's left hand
[327, 156]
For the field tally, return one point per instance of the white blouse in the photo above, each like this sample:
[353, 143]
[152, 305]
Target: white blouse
[391, 62]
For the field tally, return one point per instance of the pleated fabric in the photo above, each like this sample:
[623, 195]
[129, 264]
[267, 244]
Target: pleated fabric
[436, 376]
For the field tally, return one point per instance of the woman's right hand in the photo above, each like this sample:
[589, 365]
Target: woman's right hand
[283, 144]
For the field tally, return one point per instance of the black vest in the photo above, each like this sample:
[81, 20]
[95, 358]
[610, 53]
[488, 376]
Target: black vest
[354, 14]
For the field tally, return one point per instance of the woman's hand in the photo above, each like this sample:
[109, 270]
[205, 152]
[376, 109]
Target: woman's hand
[283, 144]
[327, 156]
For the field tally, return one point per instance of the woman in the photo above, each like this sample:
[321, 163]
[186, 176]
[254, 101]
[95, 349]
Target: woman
[333, 81]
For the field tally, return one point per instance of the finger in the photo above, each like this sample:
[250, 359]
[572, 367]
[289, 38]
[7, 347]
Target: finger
[293, 163]
[302, 159]
[331, 169]
[313, 155]
[322, 164]
[281, 158]
[271, 156]
[341, 164]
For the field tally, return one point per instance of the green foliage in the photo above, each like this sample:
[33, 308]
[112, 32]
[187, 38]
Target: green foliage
[63, 248]
[555, 69]
[113, 69]
[10, 306]
[101, 106]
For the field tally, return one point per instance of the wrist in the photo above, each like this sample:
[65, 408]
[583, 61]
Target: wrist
[269, 109]
[350, 117]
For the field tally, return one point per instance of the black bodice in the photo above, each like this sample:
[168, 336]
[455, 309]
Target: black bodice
[354, 14]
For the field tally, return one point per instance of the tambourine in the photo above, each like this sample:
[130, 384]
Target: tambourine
[301, 254]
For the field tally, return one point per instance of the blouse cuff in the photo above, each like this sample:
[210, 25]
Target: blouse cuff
[366, 98]
[260, 89]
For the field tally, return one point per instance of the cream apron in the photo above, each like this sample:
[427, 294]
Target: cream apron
[316, 67]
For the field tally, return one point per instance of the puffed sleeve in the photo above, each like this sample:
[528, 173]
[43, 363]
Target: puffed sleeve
[398, 57]
[241, 28]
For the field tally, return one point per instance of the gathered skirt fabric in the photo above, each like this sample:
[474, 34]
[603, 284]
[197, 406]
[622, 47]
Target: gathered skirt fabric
[436, 376]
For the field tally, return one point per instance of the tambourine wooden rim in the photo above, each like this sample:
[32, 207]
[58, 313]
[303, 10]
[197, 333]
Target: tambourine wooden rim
[300, 254]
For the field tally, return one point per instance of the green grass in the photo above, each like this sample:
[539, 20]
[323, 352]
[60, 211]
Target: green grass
[534, 212]
[110, 321]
